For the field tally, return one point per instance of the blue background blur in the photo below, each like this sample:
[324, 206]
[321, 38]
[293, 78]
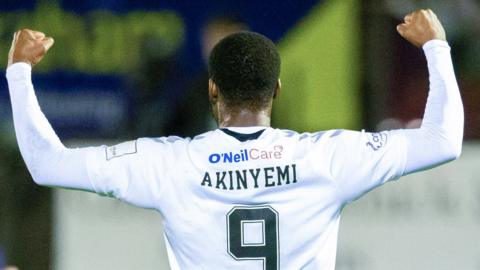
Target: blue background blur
[98, 97]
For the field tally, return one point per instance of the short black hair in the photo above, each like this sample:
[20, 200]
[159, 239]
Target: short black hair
[245, 66]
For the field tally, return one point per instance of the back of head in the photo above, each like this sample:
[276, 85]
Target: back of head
[245, 66]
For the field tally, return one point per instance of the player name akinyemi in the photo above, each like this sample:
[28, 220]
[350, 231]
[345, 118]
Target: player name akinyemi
[251, 178]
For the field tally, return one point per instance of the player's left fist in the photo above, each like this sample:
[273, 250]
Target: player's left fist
[421, 26]
[29, 46]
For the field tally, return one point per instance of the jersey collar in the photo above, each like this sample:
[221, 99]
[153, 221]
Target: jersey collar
[244, 134]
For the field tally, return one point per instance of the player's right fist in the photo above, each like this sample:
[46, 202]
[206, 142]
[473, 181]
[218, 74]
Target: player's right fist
[28, 46]
[421, 26]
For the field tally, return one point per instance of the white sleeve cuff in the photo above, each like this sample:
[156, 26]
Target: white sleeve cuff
[19, 71]
[434, 44]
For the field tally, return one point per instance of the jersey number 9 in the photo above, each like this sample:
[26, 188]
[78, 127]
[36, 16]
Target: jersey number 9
[252, 234]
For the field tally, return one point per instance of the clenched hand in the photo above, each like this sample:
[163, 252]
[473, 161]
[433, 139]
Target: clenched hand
[29, 46]
[421, 26]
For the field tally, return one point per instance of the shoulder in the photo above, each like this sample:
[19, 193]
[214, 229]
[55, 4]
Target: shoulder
[316, 137]
[144, 147]
[330, 141]
[175, 143]
[162, 141]
[154, 144]
[349, 140]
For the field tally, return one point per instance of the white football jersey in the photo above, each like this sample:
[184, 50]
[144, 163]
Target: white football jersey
[268, 200]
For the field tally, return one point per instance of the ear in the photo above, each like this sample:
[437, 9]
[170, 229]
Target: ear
[276, 92]
[212, 91]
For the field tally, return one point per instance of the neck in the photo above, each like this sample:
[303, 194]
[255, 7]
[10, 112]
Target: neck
[244, 118]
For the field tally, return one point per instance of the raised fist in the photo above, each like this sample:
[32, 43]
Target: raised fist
[28, 46]
[421, 26]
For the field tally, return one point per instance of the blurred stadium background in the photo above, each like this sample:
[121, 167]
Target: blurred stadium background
[122, 69]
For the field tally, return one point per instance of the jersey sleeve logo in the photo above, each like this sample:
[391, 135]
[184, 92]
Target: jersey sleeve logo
[377, 140]
[122, 149]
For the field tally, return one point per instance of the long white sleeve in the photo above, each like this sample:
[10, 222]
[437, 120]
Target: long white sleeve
[47, 159]
[361, 161]
[439, 139]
